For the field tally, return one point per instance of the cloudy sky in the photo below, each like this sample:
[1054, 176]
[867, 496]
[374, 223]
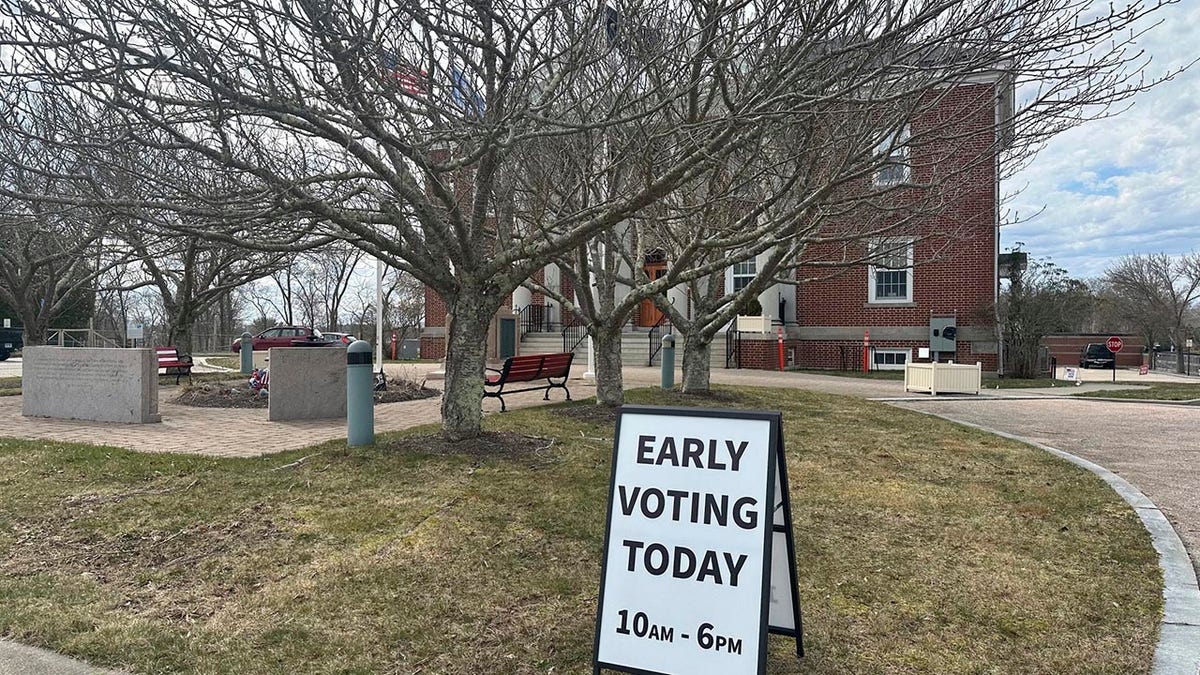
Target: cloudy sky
[1125, 185]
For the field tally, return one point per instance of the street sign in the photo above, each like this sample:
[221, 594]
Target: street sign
[1115, 344]
[699, 561]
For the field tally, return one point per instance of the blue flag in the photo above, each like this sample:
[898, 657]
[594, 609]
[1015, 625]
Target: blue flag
[463, 92]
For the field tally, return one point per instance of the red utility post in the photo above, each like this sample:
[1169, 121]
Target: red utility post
[866, 351]
[781, 349]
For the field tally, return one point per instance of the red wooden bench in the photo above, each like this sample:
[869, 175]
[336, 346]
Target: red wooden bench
[529, 368]
[169, 359]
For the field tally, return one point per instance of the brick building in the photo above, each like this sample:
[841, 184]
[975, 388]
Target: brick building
[931, 283]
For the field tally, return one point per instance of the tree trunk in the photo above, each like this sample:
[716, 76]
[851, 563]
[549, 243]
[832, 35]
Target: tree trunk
[466, 357]
[1180, 353]
[36, 329]
[179, 335]
[697, 364]
[610, 388]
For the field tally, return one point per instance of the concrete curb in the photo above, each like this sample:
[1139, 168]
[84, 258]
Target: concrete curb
[19, 659]
[1030, 397]
[1178, 651]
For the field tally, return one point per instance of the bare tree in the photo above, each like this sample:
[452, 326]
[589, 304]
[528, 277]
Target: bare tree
[52, 253]
[1157, 292]
[1040, 300]
[402, 129]
[324, 276]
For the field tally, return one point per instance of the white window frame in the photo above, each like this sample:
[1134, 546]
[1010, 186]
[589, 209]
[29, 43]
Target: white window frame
[890, 366]
[735, 274]
[872, 281]
[892, 152]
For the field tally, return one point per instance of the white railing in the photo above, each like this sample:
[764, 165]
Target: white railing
[943, 378]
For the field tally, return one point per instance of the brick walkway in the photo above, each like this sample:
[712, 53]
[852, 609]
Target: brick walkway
[224, 432]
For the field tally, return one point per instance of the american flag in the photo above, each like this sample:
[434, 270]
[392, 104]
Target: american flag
[410, 78]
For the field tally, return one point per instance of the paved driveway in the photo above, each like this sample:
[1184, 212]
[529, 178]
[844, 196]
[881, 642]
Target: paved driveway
[1156, 447]
[10, 367]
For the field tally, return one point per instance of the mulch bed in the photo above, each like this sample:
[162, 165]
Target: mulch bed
[227, 395]
[405, 390]
[221, 396]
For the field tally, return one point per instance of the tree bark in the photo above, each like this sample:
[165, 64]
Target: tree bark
[179, 335]
[36, 329]
[610, 389]
[466, 357]
[697, 364]
[1180, 353]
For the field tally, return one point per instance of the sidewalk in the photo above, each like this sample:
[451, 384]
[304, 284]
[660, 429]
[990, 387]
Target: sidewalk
[238, 432]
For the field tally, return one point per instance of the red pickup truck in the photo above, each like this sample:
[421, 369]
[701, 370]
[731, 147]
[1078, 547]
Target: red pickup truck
[280, 336]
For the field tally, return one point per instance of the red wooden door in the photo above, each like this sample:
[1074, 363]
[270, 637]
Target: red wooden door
[650, 314]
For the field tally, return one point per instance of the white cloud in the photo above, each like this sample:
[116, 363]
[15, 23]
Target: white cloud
[1129, 184]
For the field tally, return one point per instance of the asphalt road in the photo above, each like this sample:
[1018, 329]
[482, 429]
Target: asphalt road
[10, 367]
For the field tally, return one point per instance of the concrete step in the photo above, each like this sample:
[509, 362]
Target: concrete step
[635, 348]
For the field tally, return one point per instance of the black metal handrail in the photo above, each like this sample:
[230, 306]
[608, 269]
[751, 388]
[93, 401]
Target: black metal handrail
[655, 343]
[535, 318]
[572, 336]
[733, 348]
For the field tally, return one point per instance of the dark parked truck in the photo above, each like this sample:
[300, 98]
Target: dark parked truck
[10, 341]
[1097, 355]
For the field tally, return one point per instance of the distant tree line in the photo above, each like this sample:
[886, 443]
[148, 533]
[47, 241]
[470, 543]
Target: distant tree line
[1154, 295]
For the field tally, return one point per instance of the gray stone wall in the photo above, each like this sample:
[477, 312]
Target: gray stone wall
[307, 383]
[83, 383]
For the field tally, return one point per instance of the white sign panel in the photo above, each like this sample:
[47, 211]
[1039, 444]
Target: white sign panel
[688, 554]
[136, 331]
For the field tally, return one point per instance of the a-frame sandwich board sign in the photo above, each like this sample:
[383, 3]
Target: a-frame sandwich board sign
[698, 559]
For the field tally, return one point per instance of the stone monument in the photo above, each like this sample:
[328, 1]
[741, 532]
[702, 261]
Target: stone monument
[85, 383]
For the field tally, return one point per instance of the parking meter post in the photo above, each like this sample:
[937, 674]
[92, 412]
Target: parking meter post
[246, 349]
[360, 400]
[668, 361]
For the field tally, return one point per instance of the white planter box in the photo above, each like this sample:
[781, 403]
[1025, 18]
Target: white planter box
[754, 324]
[943, 378]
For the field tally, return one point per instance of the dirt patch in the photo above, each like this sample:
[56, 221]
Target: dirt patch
[487, 444]
[705, 398]
[221, 396]
[592, 414]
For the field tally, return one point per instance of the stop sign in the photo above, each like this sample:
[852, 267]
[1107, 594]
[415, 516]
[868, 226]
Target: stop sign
[1115, 344]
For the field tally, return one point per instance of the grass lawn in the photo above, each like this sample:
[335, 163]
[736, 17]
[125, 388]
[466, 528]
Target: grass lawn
[1157, 391]
[922, 547]
[230, 362]
[10, 386]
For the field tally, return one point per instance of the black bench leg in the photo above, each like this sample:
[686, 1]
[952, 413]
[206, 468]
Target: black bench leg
[502, 407]
[556, 385]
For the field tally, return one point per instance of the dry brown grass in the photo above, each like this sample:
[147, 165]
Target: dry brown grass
[922, 547]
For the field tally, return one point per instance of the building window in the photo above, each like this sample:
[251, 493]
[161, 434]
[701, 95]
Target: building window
[743, 274]
[890, 274]
[892, 153]
[891, 359]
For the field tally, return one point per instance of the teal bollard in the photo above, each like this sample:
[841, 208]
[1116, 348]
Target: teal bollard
[668, 361]
[360, 401]
[247, 352]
